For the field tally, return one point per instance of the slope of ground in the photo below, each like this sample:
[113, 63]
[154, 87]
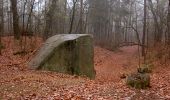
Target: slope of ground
[114, 64]
[17, 82]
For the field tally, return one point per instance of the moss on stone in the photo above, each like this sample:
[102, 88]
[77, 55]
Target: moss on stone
[138, 80]
[72, 55]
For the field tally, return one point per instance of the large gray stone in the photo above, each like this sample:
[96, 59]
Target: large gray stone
[66, 53]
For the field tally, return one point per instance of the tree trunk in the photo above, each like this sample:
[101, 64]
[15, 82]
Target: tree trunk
[15, 19]
[144, 31]
[81, 17]
[158, 30]
[73, 15]
[49, 19]
[1, 23]
[168, 19]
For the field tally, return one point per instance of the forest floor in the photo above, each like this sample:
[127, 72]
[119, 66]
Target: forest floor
[18, 82]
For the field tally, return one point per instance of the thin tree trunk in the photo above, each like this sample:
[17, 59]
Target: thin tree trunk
[168, 19]
[49, 19]
[65, 14]
[144, 31]
[29, 32]
[73, 15]
[158, 33]
[23, 21]
[81, 16]
[1, 24]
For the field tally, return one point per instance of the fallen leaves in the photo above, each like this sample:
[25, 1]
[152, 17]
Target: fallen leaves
[18, 82]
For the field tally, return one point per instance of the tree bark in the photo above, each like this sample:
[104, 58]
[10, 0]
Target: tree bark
[73, 15]
[158, 31]
[168, 22]
[81, 16]
[15, 19]
[144, 31]
[1, 23]
[49, 19]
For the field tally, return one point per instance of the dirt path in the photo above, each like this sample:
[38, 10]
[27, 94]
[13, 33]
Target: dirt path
[19, 83]
[110, 65]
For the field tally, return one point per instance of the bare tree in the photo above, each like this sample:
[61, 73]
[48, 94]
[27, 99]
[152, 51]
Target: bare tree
[144, 31]
[73, 16]
[158, 30]
[81, 17]
[49, 18]
[168, 22]
[15, 19]
[1, 23]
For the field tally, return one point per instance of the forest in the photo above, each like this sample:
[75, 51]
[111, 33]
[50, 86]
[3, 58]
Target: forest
[84, 49]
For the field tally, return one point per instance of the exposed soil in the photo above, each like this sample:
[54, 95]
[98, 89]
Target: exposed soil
[18, 82]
